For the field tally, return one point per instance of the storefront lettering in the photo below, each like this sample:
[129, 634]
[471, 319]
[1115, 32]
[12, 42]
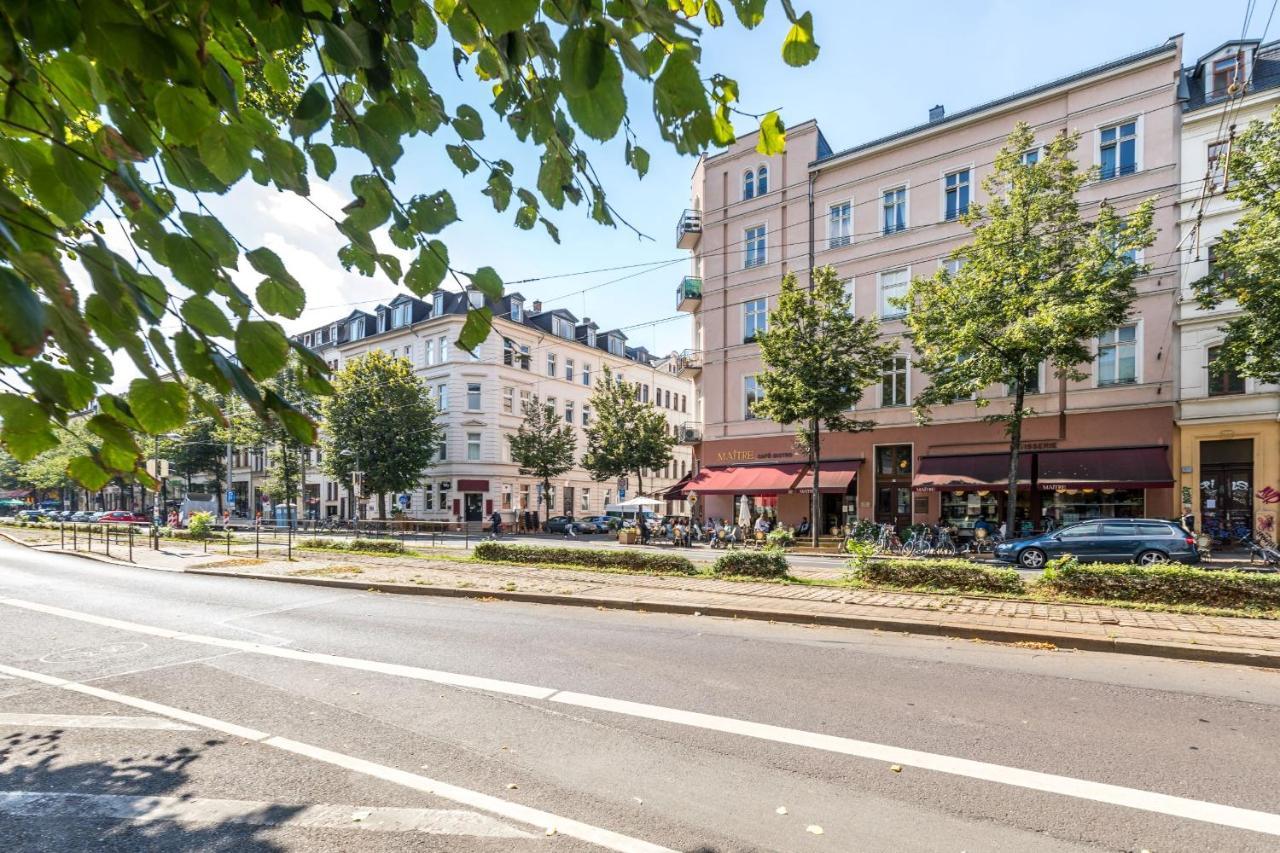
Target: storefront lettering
[752, 455]
[1269, 495]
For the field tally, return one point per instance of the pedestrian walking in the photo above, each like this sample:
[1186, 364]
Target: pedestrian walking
[496, 521]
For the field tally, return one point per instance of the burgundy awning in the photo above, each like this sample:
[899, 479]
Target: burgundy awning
[471, 486]
[1110, 468]
[676, 492]
[988, 471]
[833, 477]
[746, 479]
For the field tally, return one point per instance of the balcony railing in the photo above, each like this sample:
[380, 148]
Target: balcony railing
[689, 229]
[688, 364]
[689, 294]
[690, 433]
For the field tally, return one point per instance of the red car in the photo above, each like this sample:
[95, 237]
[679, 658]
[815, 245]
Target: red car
[120, 516]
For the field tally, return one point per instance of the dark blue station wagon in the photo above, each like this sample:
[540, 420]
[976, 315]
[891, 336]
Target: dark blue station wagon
[1145, 541]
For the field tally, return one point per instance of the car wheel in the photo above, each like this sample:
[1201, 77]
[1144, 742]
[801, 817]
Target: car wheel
[1032, 558]
[1151, 558]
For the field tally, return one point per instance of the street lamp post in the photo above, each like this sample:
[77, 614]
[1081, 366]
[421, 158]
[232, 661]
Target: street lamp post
[355, 514]
[155, 458]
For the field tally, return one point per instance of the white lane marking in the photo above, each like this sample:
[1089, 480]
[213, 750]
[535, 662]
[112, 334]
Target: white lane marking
[91, 721]
[189, 810]
[464, 796]
[1222, 815]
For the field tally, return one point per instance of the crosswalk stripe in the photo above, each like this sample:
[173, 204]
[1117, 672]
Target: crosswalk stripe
[92, 721]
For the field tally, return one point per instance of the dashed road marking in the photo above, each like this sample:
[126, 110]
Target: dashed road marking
[91, 721]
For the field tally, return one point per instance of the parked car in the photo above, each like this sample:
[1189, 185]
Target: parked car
[562, 523]
[31, 515]
[120, 516]
[605, 523]
[1145, 541]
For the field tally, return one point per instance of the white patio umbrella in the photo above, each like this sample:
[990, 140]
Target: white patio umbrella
[639, 502]
[744, 513]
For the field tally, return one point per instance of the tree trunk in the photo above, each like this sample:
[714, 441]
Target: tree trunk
[1015, 447]
[382, 506]
[815, 500]
[546, 497]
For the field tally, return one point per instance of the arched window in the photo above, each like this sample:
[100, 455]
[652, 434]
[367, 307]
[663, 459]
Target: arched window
[748, 184]
[762, 180]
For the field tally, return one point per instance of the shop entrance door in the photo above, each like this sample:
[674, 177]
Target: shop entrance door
[1226, 487]
[893, 485]
[474, 506]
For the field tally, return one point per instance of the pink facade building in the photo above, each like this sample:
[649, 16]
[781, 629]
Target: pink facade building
[885, 211]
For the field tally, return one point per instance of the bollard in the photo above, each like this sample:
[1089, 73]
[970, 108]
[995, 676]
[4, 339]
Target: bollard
[62, 536]
[130, 543]
[74, 537]
[91, 536]
[106, 538]
[257, 539]
[228, 540]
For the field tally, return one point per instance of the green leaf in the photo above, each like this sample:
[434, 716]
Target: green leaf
[322, 157]
[24, 427]
[486, 280]
[799, 48]
[599, 112]
[750, 12]
[463, 158]
[432, 213]
[158, 406]
[503, 16]
[213, 237]
[582, 59]
[478, 324]
[86, 471]
[428, 269]
[312, 113]
[22, 319]
[261, 347]
[189, 263]
[552, 231]
[285, 298]
[499, 189]
[638, 159]
[773, 135]
[715, 15]
[467, 123]
[225, 151]
[206, 317]
[184, 112]
[269, 264]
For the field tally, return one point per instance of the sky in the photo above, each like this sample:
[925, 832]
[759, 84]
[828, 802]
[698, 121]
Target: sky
[881, 67]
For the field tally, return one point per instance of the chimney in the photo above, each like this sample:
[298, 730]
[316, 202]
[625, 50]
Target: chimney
[586, 321]
[937, 113]
[537, 306]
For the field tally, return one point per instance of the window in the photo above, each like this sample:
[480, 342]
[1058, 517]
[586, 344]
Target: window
[442, 454]
[956, 194]
[616, 346]
[1032, 386]
[473, 396]
[444, 348]
[644, 393]
[444, 487]
[429, 350]
[755, 319]
[1218, 156]
[551, 364]
[506, 496]
[1226, 71]
[754, 246]
[355, 329]
[476, 350]
[517, 315]
[509, 399]
[584, 500]
[551, 404]
[748, 184]
[894, 380]
[1118, 150]
[1030, 158]
[437, 303]
[893, 285]
[524, 496]
[751, 393]
[306, 340]
[400, 316]
[525, 397]
[1222, 380]
[429, 498]
[526, 361]
[382, 321]
[442, 397]
[586, 416]
[591, 337]
[895, 210]
[568, 411]
[568, 369]
[762, 180]
[475, 299]
[586, 374]
[1118, 356]
[840, 225]
[508, 352]
[562, 328]
[473, 447]
[952, 265]
[1079, 531]
[322, 335]
[683, 402]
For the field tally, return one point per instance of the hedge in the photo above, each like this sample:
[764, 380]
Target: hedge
[939, 574]
[768, 563]
[1170, 583]
[383, 546]
[594, 558]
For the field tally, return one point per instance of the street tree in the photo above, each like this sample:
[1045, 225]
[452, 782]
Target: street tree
[818, 361]
[380, 422]
[543, 446]
[625, 437]
[198, 450]
[1035, 285]
[1246, 257]
[129, 113]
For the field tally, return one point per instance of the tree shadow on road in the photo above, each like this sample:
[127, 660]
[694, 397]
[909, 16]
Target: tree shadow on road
[37, 763]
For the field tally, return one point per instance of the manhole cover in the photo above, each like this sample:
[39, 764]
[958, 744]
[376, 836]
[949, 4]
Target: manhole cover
[110, 650]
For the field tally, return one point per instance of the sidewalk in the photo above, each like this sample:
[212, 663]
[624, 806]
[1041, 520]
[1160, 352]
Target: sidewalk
[1220, 639]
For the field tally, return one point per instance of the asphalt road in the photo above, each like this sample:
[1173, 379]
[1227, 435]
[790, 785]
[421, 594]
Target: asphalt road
[337, 720]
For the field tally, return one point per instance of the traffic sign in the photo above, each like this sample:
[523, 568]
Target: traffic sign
[231, 496]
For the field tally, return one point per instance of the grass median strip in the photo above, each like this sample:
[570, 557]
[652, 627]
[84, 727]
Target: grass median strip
[584, 557]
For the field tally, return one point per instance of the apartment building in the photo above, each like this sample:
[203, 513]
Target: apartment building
[550, 354]
[1229, 426]
[884, 211]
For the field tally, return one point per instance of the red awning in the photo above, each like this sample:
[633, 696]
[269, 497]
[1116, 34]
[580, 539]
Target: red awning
[745, 479]
[676, 492]
[833, 477]
[1110, 468]
[471, 486]
[989, 471]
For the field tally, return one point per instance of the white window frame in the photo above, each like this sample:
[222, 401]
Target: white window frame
[569, 414]
[907, 384]
[747, 414]
[906, 208]
[429, 358]
[475, 393]
[1042, 376]
[946, 264]
[1137, 357]
[569, 369]
[442, 396]
[883, 305]
[475, 443]
[563, 328]
[837, 240]
[509, 399]
[400, 315]
[444, 348]
[1139, 136]
[437, 303]
[750, 259]
[1036, 149]
[942, 183]
[517, 311]
[762, 167]
[552, 365]
[1218, 180]
[586, 374]
[763, 313]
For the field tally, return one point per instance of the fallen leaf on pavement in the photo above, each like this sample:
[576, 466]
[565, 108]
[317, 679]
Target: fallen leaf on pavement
[813, 828]
[359, 816]
[896, 768]
[781, 809]
[511, 786]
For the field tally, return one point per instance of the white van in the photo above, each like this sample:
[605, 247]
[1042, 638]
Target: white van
[628, 514]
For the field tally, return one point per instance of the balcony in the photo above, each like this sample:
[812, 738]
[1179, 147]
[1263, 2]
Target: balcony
[689, 229]
[688, 364]
[691, 433]
[689, 294]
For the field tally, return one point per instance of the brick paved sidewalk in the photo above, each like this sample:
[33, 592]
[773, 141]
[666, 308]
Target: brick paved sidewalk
[1065, 625]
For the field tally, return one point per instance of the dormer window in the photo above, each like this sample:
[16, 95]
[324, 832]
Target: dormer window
[437, 303]
[400, 316]
[562, 328]
[382, 321]
[615, 345]
[517, 311]
[1226, 72]
[321, 336]
[591, 337]
[306, 340]
[475, 299]
[355, 329]
[333, 331]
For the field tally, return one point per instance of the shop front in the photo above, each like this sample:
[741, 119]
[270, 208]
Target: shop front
[1230, 477]
[781, 491]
